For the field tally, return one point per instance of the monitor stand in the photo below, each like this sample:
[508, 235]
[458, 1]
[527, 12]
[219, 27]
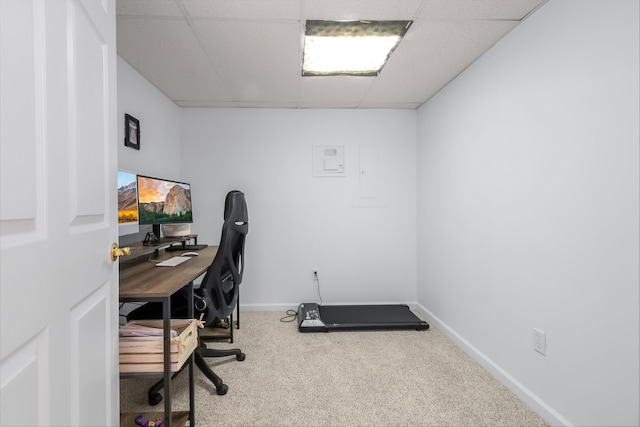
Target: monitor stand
[156, 231]
[152, 238]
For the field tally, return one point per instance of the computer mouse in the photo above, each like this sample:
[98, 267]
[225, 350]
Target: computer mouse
[190, 254]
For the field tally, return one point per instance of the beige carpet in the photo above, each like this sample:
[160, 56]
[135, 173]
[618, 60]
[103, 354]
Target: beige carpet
[367, 378]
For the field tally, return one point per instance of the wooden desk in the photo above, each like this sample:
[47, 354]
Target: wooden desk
[142, 281]
[140, 278]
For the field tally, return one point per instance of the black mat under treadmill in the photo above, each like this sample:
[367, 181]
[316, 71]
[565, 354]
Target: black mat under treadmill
[324, 318]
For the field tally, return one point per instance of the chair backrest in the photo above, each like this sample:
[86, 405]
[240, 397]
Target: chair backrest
[217, 296]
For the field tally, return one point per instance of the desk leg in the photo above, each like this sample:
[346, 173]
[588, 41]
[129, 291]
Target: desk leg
[166, 323]
[192, 405]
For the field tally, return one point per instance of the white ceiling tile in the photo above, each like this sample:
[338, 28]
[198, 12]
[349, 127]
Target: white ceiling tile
[147, 8]
[167, 54]
[268, 104]
[385, 104]
[272, 56]
[244, 9]
[337, 10]
[448, 10]
[416, 71]
[327, 105]
[208, 103]
[340, 89]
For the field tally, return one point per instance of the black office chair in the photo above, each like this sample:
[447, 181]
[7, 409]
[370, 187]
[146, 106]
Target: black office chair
[217, 296]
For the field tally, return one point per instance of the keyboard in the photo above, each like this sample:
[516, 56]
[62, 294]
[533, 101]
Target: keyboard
[172, 262]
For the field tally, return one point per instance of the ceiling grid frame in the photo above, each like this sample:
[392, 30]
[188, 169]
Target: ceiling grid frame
[250, 55]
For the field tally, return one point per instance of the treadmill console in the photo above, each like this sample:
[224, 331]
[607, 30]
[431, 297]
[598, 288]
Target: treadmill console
[309, 318]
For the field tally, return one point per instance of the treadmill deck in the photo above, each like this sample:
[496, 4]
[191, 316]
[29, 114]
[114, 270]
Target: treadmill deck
[325, 318]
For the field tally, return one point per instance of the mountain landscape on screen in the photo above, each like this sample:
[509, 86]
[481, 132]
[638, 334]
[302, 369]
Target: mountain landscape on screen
[127, 203]
[175, 207]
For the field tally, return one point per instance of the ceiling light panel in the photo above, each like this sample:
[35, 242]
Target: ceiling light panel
[354, 48]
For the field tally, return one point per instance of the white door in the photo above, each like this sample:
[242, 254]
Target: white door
[58, 285]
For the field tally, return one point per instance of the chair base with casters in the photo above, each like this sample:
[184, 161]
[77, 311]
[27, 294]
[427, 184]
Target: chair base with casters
[199, 357]
[203, 351]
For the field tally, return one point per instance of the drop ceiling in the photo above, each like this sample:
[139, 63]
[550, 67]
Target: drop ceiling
[248, 53]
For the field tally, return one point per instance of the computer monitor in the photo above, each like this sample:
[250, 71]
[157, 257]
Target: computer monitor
[163, 201]
[127, 203]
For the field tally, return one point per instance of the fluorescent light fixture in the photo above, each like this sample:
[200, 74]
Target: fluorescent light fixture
[353, 48]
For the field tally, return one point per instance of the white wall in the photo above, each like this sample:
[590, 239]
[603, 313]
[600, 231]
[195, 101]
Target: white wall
[528, 171]
[160, 144]
[364, 249]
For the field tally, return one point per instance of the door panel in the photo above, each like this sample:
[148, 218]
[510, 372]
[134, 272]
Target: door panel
[25, 370]
[21, 120]
[58, 285]
[90, 356]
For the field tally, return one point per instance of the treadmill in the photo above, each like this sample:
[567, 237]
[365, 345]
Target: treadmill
[314, 317]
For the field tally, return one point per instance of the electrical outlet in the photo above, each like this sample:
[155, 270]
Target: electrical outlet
[539, 341]
[314, 274]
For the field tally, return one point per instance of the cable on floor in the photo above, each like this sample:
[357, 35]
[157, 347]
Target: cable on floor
[290, 317]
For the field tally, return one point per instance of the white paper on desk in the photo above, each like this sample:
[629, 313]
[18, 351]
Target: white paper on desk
[144, 331]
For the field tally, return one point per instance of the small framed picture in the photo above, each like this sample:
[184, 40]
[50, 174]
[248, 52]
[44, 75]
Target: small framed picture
[131, 132]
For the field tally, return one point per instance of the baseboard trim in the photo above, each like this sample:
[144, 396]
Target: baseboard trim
[294, 306]
[269, 307]
[534, 401]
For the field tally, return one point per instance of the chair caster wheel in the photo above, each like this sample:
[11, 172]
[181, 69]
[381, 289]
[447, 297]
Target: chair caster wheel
[222, 390]
[240, 357]
[154, 399]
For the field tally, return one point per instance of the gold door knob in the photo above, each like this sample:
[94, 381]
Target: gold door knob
[118, 252]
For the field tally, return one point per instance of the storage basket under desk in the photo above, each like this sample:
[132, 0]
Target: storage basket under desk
[146, 354]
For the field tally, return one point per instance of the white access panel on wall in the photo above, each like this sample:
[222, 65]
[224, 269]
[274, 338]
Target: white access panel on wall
[328, 160]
